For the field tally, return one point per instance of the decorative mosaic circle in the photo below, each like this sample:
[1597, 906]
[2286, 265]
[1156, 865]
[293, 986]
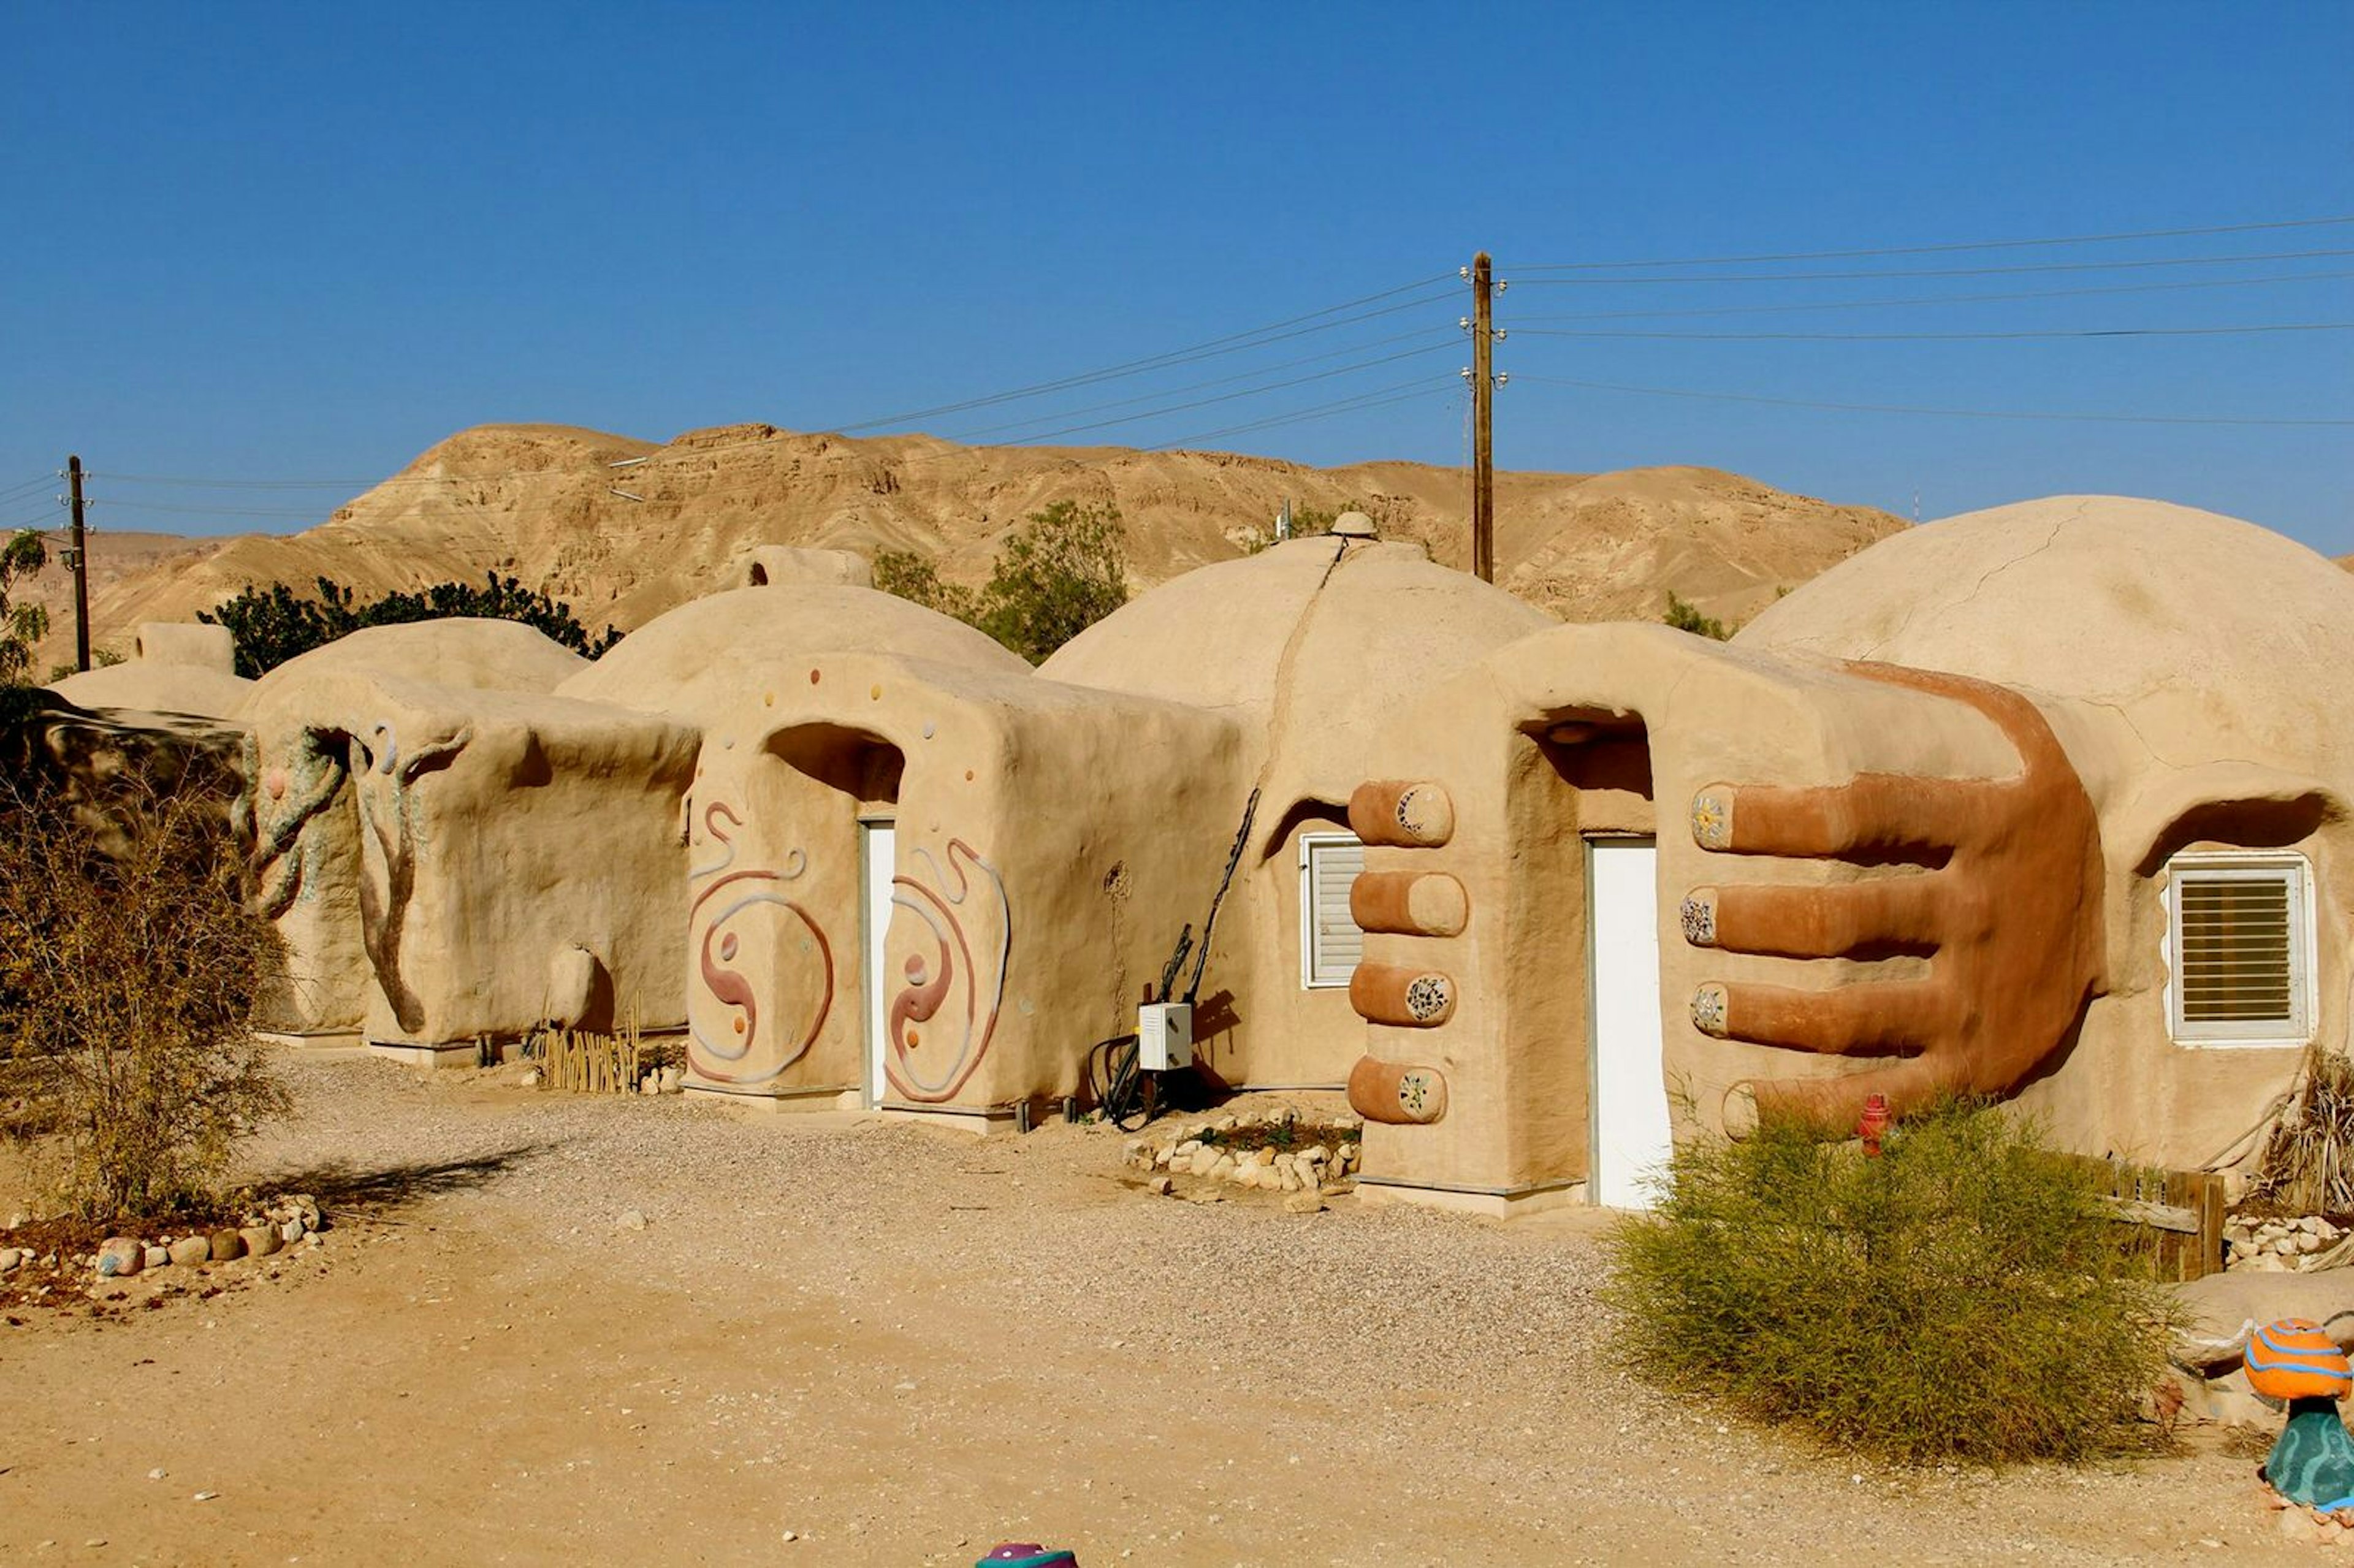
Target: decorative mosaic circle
[1424, 815]
[1712, 820]
[1428, 996]
[1707, 1007]
[1699, 921]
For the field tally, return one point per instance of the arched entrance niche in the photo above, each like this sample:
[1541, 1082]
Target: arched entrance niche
[780, 985]
[1582, 958]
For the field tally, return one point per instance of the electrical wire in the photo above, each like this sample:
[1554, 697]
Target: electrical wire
[1943, 413]
[1936, 271]
[1405, 392]
[114, 504]
[1515, 324]
[1200, 386]
[1258, 336]
[1943, 336]
[1231, 396]
[1948, 248]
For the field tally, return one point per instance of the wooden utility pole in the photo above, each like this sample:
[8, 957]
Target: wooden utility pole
[1483, 421]
[81, 562]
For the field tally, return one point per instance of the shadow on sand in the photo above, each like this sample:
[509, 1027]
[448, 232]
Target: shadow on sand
[381, 1192]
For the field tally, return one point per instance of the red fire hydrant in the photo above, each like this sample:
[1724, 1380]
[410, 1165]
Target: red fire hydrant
[1873, 1124]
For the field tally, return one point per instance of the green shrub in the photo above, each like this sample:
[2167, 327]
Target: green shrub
[1686, 617]
[1963, 1297]
[1063, 569]
[271, 626]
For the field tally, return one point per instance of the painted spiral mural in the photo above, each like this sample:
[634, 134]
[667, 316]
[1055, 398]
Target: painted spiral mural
[736, 913]
[964, 977]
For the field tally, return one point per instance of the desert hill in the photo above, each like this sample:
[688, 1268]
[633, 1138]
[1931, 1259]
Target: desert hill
[625, 529]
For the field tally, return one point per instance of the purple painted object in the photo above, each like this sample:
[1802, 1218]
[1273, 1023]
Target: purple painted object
[1027, 1555]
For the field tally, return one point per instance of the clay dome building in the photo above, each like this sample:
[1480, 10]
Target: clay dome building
[1311, 647]
[2199, 671]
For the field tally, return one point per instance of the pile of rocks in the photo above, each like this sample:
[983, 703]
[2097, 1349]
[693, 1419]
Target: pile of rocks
[2284, 1245]
[291, 1220]
[1205, 1150]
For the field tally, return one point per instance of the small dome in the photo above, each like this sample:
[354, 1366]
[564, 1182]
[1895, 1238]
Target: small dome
[1347, 628]
[493, 655]
[675, 662]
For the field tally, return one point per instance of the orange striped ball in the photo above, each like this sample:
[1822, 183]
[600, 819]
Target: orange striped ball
[2292, 1359]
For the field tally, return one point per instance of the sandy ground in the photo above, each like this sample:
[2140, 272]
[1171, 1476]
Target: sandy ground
[901, 1345]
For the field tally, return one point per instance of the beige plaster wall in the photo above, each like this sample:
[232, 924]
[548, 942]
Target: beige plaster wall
[1311, 648]
[1047, 846]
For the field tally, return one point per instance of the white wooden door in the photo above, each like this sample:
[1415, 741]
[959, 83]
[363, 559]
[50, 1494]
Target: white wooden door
[1631, 1138]
[878, 844]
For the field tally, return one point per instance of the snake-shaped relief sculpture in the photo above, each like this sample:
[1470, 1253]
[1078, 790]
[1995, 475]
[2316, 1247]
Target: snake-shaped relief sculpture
[925, 1065]
[731, 906]
[279, 804]
[387, 814]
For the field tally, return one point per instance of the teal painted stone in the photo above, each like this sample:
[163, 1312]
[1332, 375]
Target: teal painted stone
[2313, 1463]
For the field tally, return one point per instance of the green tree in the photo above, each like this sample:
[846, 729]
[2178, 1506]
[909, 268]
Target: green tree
[272, 626]
[21, 625]
[916, 580]
[1687, 618]
[1062, 571]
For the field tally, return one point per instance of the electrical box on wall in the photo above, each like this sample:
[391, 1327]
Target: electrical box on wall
[1164, 1036]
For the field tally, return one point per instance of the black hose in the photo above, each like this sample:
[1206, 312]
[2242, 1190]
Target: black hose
[1123, 1094]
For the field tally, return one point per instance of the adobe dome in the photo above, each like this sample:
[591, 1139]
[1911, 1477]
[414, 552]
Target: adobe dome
[1339, 631]
[2212, 637]
[659, 667]
[458, 650]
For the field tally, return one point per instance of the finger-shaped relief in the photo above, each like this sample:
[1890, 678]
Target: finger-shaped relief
[1396, 1093]
[1879, 1018]
[1410, 814]
[1870, 814]
[1410, 903]
[1901, 914]
[1401, 995]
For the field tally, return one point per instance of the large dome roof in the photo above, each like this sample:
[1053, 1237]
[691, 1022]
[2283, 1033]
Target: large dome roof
[495, 656]
[2186, 623]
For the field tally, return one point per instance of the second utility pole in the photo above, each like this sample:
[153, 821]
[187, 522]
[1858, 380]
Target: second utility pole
[81, 568]
[1483, 421]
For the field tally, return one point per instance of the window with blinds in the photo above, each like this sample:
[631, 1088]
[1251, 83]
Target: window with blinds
[2240, 948]
[1330, 942]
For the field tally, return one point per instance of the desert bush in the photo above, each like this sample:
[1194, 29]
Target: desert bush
[129, 972]
[1686, 617]
[271, 626]
[1962, 1296]
[1063, 569]
[2307, 1164]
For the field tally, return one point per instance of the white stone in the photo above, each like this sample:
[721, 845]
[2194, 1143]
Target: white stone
[630, 1219]
[291, 1232]
[157, 1256]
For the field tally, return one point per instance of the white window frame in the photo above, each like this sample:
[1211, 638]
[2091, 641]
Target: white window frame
[2304, 979]
[1311, 948]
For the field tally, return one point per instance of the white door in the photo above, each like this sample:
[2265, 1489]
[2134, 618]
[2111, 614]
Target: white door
[876, 842]
[1631, 1138]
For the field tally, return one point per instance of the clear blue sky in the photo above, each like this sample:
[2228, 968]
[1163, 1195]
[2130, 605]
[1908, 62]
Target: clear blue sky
[250, 243]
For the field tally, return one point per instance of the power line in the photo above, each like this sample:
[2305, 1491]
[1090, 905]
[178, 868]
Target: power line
[1937, 271]
[1945, 336]
[1229, 397]
[1403, 392]
[1943, 413]
[1935, 250]
[114, 504]
[1942, 299]
[1259, 336]
[1200, 386]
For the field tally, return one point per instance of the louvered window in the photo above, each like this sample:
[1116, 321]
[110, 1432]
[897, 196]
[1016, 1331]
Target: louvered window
[1330, 942]
[2239, 948]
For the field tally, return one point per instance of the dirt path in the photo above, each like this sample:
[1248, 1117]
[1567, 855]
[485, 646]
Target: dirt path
[903, 1345]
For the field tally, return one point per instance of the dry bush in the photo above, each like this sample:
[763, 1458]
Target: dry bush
[1963, 1297]
[2308, 1166]
[129, 970]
